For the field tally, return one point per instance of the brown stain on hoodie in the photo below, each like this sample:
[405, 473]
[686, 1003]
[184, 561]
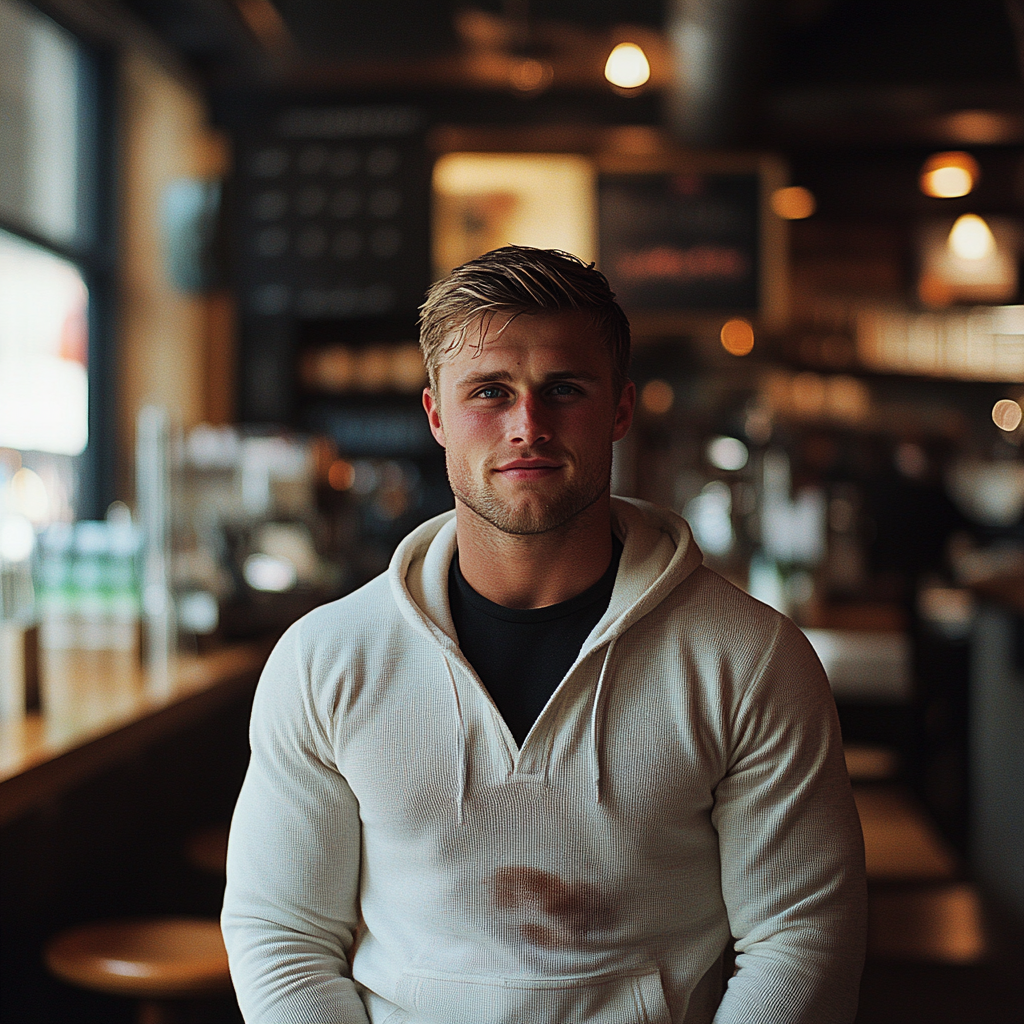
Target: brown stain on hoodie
[565, 913]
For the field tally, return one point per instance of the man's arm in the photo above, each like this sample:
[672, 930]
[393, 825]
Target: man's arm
[291, 904]
[791, 850]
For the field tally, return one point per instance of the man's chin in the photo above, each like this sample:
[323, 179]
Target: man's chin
[529, 516]
[519, 521]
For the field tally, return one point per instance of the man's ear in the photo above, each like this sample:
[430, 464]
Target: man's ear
[433, 411]
[624, 411]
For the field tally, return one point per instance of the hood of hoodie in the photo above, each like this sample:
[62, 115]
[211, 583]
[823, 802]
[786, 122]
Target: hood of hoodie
[658, 553]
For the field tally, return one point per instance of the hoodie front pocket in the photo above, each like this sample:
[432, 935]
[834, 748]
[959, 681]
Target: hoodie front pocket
[634, 997]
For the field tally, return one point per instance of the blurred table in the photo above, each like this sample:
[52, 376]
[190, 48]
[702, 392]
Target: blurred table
[99, 710]
[865, 665]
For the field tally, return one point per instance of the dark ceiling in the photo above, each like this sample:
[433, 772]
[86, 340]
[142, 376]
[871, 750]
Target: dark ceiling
[894, 42]
[806, 42]
[866, 70]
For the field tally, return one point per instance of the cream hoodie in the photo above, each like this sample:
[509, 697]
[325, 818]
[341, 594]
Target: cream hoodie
[395, 857]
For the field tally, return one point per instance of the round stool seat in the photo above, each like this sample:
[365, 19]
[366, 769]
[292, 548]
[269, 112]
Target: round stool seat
[155, 958]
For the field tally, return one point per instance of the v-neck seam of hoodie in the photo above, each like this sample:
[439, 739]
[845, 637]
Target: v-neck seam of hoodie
[501, 644]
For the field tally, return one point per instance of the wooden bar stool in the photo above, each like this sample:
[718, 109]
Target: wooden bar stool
[157, 961]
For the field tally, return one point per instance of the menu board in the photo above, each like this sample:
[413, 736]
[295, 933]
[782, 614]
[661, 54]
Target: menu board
[332, 207]
[682, 242]
[333, 213]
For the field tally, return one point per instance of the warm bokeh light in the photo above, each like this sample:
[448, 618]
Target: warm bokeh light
[971, 238]
[1007, 414]
[808, 394]
[530, 76]
[341, 475]
[949, 175]
[847, 398]
[627, 66]
[737, 337]
[793, 203]
[657, 397]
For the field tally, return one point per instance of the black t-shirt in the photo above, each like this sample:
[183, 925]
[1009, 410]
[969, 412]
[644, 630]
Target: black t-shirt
[522, 654]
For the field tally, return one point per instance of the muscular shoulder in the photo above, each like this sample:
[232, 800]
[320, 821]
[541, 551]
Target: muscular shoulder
[732, 647]
[336, 648]
[707, 612]
[354, 619]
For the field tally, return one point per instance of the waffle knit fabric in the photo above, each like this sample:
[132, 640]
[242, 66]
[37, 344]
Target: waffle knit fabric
[395, 857]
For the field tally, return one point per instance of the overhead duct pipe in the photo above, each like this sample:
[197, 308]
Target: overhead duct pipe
[718, 50]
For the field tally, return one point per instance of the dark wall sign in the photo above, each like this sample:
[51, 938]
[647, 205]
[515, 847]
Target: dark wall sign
[332, 223]
[333, 208]
[682, 242]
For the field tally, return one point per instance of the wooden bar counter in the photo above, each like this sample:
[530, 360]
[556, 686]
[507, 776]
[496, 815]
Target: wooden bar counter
[99, 709]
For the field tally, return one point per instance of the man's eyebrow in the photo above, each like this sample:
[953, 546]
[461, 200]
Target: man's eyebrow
[581, 375]
[504, 377]
[477, 377]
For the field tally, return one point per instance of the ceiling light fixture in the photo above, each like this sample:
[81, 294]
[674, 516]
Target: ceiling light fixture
[627, 66]
[949, 175]
[971, 238]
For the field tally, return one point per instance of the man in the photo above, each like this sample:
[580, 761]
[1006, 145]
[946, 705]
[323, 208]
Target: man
[545, 767]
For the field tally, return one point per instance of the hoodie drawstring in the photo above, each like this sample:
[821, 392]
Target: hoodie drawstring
[597, 719]
[462, 754]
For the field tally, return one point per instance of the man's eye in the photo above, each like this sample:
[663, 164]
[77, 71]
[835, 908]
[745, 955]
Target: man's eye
[489, 393]
[561, 390]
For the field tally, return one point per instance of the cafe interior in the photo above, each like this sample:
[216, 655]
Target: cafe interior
[218, 219]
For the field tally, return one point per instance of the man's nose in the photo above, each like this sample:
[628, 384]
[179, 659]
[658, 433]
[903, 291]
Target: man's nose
[528, 423]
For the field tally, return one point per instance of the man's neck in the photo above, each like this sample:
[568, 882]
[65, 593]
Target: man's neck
[534, 570]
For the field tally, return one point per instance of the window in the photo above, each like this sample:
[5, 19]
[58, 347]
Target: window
[43, 348]
[52, 262]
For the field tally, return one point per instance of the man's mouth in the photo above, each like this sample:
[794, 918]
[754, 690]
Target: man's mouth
[528, 469]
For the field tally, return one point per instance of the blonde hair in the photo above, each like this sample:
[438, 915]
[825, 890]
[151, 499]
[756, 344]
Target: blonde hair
[513, 280]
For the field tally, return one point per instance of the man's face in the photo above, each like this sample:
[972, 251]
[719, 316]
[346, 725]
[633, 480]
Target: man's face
[527, 422]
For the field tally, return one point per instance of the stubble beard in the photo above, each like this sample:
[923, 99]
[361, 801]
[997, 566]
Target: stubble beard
[528, 517]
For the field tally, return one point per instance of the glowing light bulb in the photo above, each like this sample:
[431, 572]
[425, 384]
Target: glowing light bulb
[793, 203]
[947, 183]
[971, 238]
[949, 175]
[627, 66]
